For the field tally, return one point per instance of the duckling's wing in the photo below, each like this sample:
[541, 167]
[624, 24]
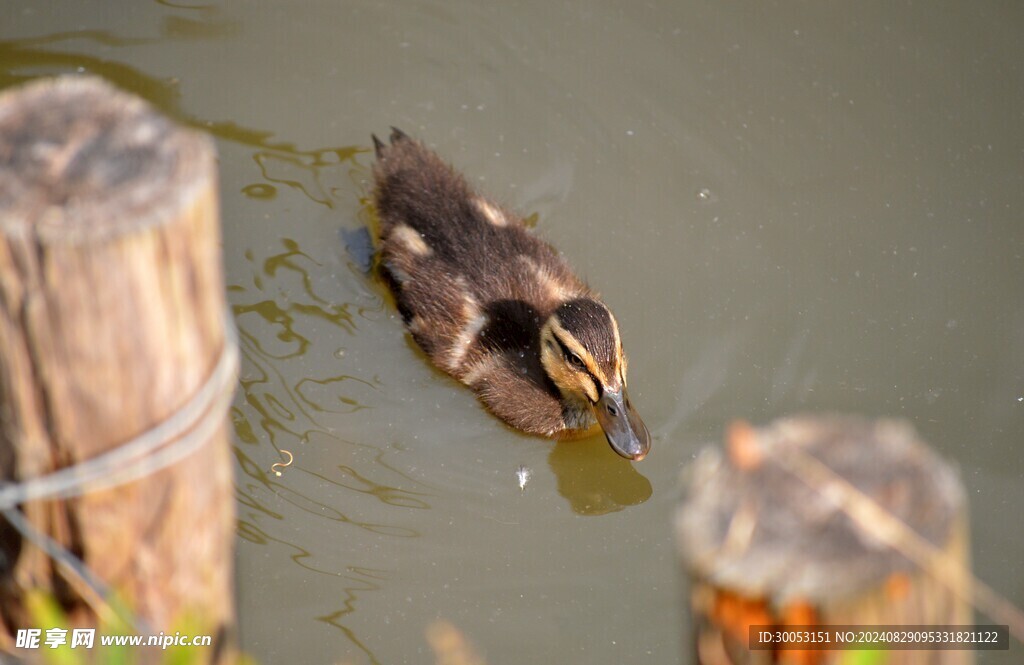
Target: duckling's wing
[417, 188]
[427, 206]
[518, 399]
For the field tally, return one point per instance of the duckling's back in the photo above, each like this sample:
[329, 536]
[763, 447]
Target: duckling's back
[468, 277]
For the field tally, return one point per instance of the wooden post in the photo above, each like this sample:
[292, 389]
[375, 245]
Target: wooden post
[112, 316]
[823, 521]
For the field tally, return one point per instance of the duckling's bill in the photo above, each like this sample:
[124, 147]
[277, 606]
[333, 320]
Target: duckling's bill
[625, 431]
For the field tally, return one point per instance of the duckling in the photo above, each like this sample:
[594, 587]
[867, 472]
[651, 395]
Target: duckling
[496, 307]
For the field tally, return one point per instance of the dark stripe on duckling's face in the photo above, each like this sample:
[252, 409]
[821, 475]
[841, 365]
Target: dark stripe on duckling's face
[594, 328]
[576, 362]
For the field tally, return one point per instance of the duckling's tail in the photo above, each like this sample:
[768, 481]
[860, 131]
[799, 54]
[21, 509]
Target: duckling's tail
[396, 136]
[413, 186]
[378, 145]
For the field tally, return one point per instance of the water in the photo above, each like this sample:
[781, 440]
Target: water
[791, 207]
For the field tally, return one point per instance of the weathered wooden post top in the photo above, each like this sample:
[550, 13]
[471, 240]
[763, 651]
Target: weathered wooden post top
[115, 359]
[822, 521]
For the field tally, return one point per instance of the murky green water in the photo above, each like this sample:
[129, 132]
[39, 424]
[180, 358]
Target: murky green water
[791, 207]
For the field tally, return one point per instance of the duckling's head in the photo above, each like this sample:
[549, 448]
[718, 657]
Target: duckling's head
[582, 355]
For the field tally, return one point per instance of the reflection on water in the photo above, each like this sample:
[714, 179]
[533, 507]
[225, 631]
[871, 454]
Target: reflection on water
[776, 228]
[359, 246]
[280, 311]
[22, 60]
[187, 28]
[292, 390]
[311, 172]
[365, 580]
[594, 479]
[353, 480]
[281, 315]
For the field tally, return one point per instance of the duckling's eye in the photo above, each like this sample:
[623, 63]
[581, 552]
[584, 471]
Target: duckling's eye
[575, 361]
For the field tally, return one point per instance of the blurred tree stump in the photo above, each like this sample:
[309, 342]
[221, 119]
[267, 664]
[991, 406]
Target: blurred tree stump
[788, 529]
[112, 315]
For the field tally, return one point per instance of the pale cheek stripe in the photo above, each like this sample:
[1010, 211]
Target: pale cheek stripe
[619, 369]
[573, 345]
